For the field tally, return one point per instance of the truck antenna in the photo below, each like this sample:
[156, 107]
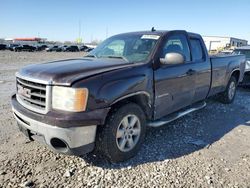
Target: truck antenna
[153, 29]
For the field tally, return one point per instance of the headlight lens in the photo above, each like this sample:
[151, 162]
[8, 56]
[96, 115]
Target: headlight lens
[69, 99]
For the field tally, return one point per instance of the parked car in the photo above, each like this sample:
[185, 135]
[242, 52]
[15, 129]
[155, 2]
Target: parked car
[3, 47]
[41, 47]
[12, 46]
[245, 50]
[83, 48]
[63, 47]
[89, 49]
[27, 48]
[71, 49]
[54, 49]
[133, 80]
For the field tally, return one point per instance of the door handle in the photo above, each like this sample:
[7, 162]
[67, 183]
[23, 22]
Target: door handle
[190, 72]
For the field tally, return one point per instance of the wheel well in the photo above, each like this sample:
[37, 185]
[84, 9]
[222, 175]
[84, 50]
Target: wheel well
[141, 99]
[236, 74]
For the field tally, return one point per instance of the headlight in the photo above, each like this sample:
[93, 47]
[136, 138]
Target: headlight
[69, 99]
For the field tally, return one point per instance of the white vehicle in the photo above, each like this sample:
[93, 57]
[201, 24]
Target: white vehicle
[245, 50]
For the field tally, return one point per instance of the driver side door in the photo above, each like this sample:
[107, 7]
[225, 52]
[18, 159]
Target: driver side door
[174, 83]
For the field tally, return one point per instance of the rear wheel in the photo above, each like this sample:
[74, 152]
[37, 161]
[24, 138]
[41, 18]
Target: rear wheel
[123, 134]
[228, 95]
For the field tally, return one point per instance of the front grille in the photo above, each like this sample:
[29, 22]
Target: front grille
[31, 94]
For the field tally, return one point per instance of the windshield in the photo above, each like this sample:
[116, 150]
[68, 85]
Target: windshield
[244, 52]
[130, 47]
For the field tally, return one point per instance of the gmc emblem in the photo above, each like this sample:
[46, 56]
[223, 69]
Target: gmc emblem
[23, 91]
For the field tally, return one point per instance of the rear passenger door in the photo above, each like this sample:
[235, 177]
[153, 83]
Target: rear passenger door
[202, 68]
[174, 84]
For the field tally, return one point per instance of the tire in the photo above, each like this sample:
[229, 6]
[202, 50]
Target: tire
[118, 143]
[227, 97]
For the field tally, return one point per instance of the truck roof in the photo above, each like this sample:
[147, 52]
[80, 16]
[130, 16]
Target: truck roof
[159, 32]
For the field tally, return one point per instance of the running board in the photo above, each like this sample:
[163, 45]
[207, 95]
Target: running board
[174, 116]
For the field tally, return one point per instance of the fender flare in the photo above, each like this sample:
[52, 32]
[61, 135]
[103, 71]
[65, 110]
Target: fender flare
[145, 93]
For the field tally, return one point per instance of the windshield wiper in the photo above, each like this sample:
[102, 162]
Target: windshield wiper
[91, 55]
[117, 57]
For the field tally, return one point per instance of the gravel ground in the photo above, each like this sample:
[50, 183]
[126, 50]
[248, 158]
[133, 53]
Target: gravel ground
[208, 148]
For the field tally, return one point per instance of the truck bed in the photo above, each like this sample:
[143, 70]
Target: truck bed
[222, 67]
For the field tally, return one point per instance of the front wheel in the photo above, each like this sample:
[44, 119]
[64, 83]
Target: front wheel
[123, 134]
[228, 95]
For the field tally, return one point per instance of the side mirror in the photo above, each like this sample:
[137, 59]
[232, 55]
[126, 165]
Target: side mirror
[172, 59]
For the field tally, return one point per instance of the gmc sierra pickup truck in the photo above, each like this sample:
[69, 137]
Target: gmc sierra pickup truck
[104, 101]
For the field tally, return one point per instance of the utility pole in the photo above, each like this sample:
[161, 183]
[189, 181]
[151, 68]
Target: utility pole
[107, 32]
[80, 32]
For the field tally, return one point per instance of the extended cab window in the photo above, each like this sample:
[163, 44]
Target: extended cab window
[177, 44]
[197, 50]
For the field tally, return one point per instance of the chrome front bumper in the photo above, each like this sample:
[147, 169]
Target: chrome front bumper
[72, 140]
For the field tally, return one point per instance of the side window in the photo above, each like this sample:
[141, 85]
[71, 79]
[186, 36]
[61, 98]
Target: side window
[177, 43]
[197, 50]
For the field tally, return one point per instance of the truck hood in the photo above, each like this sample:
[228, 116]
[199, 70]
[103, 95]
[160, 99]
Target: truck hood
[65, 72]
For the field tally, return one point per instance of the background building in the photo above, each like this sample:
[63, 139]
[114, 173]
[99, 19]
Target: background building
[215, 43]
[34, 40]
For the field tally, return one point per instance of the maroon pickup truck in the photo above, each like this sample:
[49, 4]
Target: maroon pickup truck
[103, 102]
